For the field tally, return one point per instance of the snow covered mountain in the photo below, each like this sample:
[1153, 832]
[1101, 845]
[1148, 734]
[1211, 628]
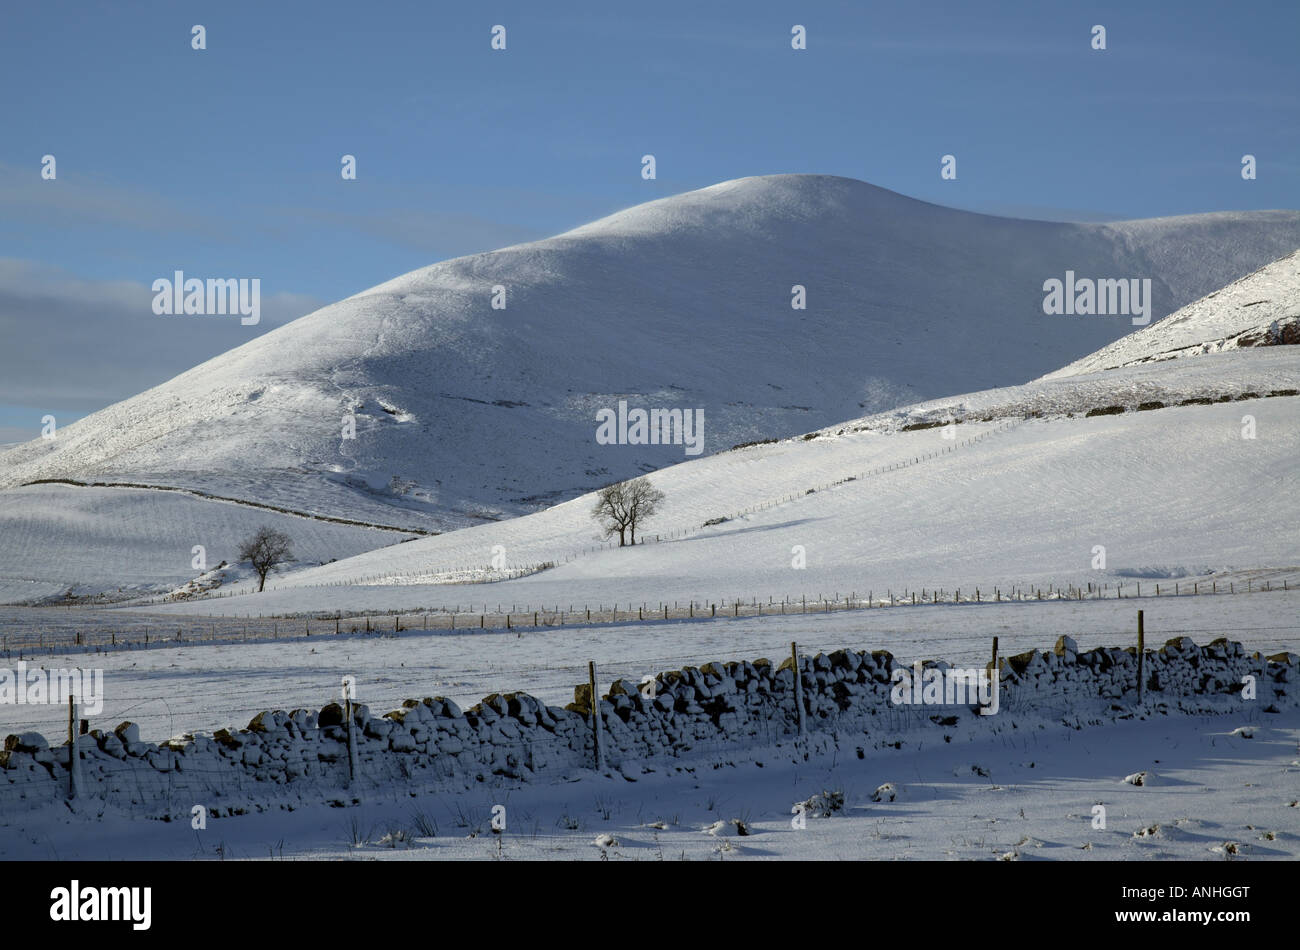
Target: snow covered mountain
[466, 414]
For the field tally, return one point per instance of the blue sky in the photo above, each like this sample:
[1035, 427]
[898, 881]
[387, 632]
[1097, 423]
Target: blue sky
[225, 162]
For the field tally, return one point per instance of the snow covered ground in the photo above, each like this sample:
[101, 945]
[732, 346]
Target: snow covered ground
[1214, 795]
[170, 688]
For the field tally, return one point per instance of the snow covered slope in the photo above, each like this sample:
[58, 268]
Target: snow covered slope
[1261, 309]
[1169, 490]
[59, 540]
[1161, 462]
[465, 413]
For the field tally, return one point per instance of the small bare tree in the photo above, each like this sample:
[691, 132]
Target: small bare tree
[265, 550]
[622, 506]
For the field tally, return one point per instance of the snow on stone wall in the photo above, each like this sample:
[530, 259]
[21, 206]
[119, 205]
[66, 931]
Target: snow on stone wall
[695, 713]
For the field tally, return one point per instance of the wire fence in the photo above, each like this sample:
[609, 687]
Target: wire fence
[63, 634]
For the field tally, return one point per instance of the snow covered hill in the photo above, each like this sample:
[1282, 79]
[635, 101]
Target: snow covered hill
[466, 414]
[1161, 462]
[1261, 309]
[1150, 462]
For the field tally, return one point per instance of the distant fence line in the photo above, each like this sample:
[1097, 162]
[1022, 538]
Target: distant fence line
[228, 629]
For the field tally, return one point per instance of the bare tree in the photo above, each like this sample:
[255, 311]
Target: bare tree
[265, 550]
[613, 511]
[622, 506]
[643, 502]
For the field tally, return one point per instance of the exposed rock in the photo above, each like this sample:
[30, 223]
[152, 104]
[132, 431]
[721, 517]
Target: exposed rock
[885, 793]
[26, 742]
[1066, 647]
[128, 732]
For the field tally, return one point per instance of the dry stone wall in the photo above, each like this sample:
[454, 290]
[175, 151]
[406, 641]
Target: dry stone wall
[298, 756]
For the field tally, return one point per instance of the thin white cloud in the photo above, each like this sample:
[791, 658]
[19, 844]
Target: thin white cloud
[79, 198]
[77, 344]
[438, 234]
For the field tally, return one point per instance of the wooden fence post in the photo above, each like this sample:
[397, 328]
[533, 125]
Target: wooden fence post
[595, 715]
[1142, 643]
[798, 686]
[74, 758]
[347, 719]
